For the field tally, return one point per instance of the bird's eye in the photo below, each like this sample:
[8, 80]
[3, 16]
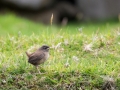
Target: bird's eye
[45, 47]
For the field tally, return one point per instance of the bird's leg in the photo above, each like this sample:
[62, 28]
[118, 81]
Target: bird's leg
[38, 70]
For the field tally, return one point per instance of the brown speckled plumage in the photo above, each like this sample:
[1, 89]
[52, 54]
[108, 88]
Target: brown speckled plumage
[39, 56]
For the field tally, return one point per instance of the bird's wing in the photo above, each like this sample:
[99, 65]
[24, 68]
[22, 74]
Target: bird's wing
[36, 57]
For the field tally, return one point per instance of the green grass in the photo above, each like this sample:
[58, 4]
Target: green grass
[77, 60]
[11, 24]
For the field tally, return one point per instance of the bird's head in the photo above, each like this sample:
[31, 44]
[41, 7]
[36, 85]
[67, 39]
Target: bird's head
[45, 47]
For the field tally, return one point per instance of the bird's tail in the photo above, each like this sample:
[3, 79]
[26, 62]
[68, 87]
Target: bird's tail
[27, 54]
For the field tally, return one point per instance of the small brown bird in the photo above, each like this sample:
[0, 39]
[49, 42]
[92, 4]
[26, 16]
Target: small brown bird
[39, 56]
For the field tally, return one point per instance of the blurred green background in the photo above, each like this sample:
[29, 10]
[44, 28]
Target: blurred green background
[12, 24]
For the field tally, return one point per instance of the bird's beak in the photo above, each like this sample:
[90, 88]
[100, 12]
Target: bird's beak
[50, 47]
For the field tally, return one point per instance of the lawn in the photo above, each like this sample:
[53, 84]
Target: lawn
[83, 56]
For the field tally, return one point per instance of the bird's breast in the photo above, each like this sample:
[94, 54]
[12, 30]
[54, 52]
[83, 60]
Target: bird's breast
[46, 56]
